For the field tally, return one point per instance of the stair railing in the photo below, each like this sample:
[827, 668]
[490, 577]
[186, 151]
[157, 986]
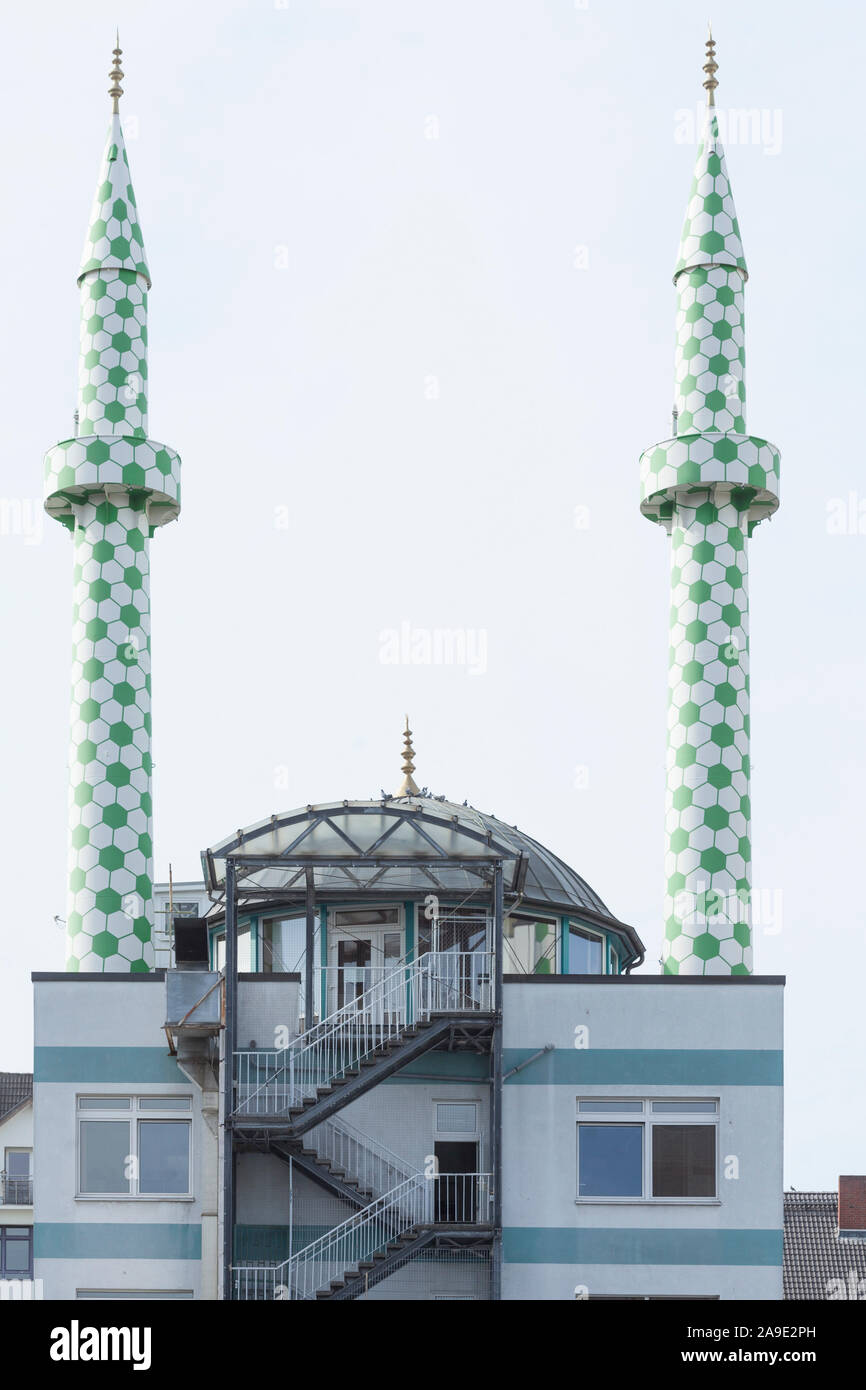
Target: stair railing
[420, 1202]
[273, 1082]
[376, 1168]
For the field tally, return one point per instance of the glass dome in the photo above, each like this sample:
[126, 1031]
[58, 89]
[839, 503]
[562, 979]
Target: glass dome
[409, 845]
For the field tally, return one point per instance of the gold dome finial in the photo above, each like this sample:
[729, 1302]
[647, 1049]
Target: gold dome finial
[711, 67]
[407, 786]
[115, 91]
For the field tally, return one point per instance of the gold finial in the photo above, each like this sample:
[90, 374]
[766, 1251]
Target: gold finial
[711, 67]
[407, 786]
[115, 91]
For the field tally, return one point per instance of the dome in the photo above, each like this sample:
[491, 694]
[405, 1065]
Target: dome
[402, 845]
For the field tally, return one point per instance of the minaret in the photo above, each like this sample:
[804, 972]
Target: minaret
[111, 486]
[709, 486]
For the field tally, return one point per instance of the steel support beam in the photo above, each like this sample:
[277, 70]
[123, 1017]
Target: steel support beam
[229, 1035]
[310, 907]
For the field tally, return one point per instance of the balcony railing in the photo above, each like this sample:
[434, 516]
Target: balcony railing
[16, 1192]
[464, 975]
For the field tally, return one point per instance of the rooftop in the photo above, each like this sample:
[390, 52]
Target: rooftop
[818, 1262]
[15, 1087]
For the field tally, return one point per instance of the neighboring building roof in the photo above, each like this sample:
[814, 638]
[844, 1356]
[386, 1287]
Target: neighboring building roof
[15, 1088]
[419, 827]
[818, 1262]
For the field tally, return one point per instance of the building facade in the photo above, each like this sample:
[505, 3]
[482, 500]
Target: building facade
[16, 1182]
[397, 1049]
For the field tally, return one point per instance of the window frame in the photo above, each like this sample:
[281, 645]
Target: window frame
[470, 1135]
[532, 919]
[134, 1117]
[589, 934]
[18, 1149]
[22, 1235]
[245, 932]
[647, 1119]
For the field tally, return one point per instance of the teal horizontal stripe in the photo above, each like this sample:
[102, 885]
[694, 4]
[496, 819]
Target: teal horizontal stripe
[554, 1245]
[107, 1240]
[645, 1067]
[105, 1064]
[445, 1066]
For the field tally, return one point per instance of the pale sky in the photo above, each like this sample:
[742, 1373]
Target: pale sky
[411, 308]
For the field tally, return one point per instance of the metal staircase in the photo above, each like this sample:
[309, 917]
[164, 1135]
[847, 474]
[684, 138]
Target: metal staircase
[347, 1162]
[363, 1250]
[293, 1093]
[407, 1011]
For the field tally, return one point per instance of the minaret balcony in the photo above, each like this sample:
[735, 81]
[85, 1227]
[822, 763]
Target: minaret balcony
[120, 467]
[676, 468]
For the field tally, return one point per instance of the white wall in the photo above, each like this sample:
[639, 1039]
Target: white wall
[115, 1014]
[539, 1129]
[16, 1132]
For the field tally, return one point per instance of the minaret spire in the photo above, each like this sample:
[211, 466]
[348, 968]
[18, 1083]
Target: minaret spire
[711, 67]
[407, 786]
[709, 487]
[111, 486]
[115, 91]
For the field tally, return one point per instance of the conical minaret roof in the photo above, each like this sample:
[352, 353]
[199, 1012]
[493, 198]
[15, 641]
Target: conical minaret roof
[114, 240]
[711, 233]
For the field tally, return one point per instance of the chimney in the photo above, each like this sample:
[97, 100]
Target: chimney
[852, 1206]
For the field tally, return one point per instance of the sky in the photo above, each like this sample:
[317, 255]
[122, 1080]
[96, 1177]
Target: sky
[411, 326]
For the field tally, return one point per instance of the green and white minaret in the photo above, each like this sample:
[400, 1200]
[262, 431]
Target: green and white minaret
[709, 486]
[111, 486]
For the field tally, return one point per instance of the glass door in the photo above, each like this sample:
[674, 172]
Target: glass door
[353, 977]
[365, 948]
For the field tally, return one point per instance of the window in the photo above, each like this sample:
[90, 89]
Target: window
[283, 945]
[458, 930]
[134, 1146]
[16, 1252]
[16, 1180]
[647, 1150]
[530, 946]
[367, 917]
[585, 951]
[244, 951]
[456, 1117]
[684, 1161]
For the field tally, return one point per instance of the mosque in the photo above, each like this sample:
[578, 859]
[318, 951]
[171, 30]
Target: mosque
[396, 1048]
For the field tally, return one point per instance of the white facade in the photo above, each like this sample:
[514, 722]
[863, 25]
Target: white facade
[567, 1040]
[16, 1200]
[660, 1039]
[103, 1037]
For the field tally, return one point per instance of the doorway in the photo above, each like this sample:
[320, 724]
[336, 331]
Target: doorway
[365, 948]
[457, 1181]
